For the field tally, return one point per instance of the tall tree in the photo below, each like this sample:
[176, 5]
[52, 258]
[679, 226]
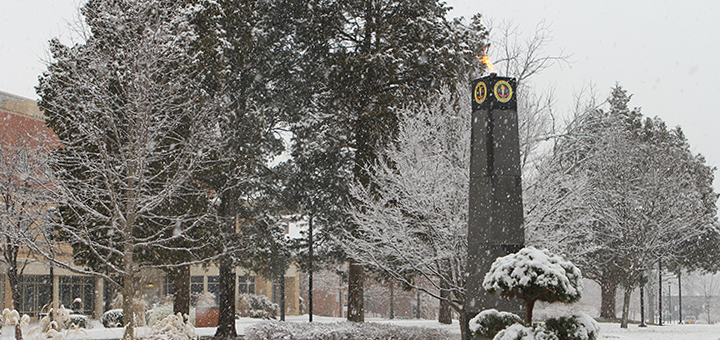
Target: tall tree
[412, 217]
[244, 60]
[133, 132]
[360, 61]
[619, 193]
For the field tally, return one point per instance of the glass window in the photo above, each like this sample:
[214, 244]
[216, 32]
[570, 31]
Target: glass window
[78, 287]
[168, 288]
[109, 295]
[36, 292]
[246, 284]
[21, 161]
[276, 291]
[213, 286]
[197, 287]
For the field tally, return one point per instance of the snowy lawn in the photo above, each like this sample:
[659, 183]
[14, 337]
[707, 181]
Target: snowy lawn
[607, 330]
[668, 332]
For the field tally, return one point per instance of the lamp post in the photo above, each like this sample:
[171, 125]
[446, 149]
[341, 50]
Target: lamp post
[680, 319]
[642, 299]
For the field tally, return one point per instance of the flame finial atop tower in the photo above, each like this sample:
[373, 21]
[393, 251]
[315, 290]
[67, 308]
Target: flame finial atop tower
[486, 60]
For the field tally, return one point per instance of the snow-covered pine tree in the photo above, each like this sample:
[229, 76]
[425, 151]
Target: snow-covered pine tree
[360, 61]
[245, 54]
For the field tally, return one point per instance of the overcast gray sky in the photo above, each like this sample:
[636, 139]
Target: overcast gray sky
[663, 52]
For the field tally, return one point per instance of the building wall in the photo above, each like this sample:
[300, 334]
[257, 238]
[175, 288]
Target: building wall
[330, 298]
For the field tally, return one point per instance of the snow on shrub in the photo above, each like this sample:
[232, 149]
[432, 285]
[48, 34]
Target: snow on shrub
[489, 322]
[77, 320]
[576, 327]
[520, 332]
[158, 313]
[257, 306]
[341, 330]
[112, 318]
[533, 275]
[59, 324]
[173, 327]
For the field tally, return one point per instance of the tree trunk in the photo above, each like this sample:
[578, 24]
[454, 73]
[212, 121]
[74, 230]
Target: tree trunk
[356, 278]
[417, 316]
[310, 268]
[463, 323]
[445, 312]
[529, 305]
[608, 287]
[392, 300]
[181, 285]
[226, 318]
[12, 273]
[626, 307]
[128, 292]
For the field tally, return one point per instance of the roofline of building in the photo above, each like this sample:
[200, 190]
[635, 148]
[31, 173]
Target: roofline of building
[20, 105]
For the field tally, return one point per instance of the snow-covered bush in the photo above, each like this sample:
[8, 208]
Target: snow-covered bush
[521, 332]
[139, 307]
[77, 321]
[61, 316]
[257, 306]
[489, 322]
[112, 318]
[158, 313]
[576, 327]
[55, 320]
[533, 275]
[172, 327]
[341, 330]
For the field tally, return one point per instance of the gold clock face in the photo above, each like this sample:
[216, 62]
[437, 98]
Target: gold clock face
[480, 92]
[503, 91]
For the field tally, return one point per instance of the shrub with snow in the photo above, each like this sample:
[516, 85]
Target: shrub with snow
[257, 306]
[173, 327]
[576, 327]
[533, 275]
[520, 332]
[341, 330]
[489, 322]
[77, 321]
[112, 318]
[158, 313]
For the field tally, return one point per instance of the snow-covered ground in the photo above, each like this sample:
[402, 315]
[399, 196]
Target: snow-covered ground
[667, 332]
[608, 330]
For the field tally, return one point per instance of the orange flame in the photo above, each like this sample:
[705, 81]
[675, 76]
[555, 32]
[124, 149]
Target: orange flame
[486, 60]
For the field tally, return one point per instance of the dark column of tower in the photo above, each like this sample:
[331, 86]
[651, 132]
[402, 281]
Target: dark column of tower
[496, 211]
